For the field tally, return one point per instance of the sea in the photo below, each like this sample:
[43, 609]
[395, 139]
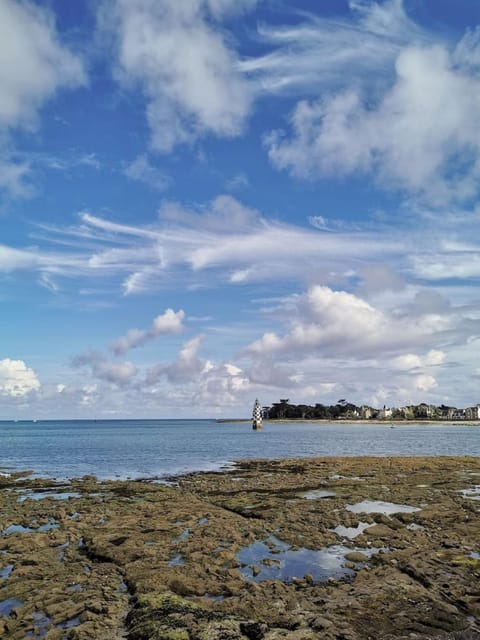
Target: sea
[160, 449]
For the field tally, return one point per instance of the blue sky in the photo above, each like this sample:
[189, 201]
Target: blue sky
[209, 201]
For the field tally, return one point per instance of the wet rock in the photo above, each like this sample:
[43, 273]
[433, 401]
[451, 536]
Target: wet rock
[356, 556]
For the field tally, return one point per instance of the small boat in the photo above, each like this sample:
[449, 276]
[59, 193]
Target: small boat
[257, 416]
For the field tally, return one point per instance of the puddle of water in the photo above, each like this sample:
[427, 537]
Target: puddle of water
[7, 606]
[377, 506]
[75, 587]
[182, 537]
[18, 528]
[69, 624]
[351, 532]
[415, 527]
[475, 556]
[202, 521]
[73, 516]
[336, 476]
[209, 596]
[285, 564]
[316, 494]
[176, 561]
[122, 587]
[472, 493]
[41, 624]
[6, 571]
[41, 495]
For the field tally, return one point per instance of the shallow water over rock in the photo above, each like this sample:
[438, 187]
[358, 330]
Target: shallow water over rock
[19, 528]
[42, 495]
[378, 506]
[351, 532]
[473, 493]
[6, 571]
[316, 494]
[7, 606]
[274, 559]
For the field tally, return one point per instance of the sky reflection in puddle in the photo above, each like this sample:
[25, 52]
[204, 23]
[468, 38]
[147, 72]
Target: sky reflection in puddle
[377, 506]
[41, 495]
[19, 528]
[7, 606]
[351, 532]
[472, 493]
[316, 494]
[176, 561]
[182, 537]
[6, 571]
[283, 563]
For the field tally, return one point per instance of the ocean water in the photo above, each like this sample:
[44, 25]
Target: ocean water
[161, 448]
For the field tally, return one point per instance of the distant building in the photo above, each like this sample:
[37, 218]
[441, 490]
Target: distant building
[366, 412]
[472, 413]
[385, 413]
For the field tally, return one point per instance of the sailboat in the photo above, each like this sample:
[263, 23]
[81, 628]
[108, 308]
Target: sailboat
[257, 416]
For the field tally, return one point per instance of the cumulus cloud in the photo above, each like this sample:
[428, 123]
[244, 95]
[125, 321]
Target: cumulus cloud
[16, 379]
[338, 323]
[183, 63]
[410, 361]
[425, 383]
[185, 368]
[169, 322]
[34, 64]
[412, 138]
[117, 373]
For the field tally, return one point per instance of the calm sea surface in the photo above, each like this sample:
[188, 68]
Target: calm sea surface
[158, 448]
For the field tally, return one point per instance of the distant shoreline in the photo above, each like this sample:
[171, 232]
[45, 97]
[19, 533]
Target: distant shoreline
[451, 423]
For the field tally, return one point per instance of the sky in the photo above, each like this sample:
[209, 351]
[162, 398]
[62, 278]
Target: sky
[208, 201]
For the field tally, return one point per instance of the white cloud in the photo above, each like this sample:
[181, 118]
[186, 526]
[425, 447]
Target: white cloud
[169, 322]
[34, 65]
[414, 138]
[324, 53]
[183, 63]
[16, 379]
[425, 383]
[142, 170]
[410, 361]
[33, 62]
[14, 177]
[340, 324]
[117, 373]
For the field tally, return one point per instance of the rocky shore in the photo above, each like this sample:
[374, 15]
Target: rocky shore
[330, 548]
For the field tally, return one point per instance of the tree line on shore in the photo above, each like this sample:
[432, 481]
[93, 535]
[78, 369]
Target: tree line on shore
[284, 410]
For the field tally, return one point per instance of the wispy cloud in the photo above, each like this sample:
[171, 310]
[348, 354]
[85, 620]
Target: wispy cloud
[142, 170]
[319, 54]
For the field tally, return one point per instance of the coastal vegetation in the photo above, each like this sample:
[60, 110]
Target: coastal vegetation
[344, 410]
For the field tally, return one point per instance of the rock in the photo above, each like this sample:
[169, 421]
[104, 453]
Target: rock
[356, 556]
[379, 531]
[319, 623]
[253, 630]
